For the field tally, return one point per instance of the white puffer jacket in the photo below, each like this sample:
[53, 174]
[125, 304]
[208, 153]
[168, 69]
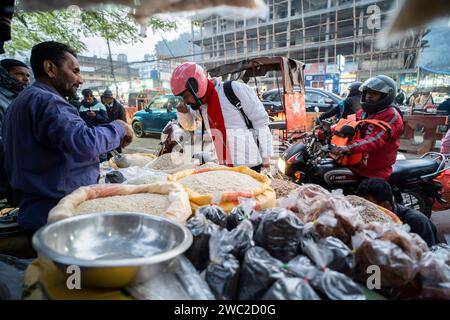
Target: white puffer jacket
[240, 139]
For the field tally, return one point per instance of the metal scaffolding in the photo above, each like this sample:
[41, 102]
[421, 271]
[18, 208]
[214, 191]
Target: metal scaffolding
[313, 31]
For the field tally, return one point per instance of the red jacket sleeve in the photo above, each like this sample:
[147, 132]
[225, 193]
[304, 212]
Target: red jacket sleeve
[375, 141]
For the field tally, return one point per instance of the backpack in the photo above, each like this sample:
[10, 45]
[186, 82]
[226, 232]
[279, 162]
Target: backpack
[348, 130]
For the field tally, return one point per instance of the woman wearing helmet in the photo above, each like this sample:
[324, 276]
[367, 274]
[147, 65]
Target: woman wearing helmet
[349, 106]
[378, 146]
[206, 100]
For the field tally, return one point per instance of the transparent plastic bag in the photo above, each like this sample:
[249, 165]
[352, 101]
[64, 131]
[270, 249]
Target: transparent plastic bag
[137, 175]
[396, 267]
[331, 213]
[178, 281]
[279, 233]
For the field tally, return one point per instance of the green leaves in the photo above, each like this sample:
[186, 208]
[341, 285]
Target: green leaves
[115, 24]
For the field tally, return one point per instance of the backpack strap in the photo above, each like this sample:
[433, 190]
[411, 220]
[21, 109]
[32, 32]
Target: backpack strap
[231, 96]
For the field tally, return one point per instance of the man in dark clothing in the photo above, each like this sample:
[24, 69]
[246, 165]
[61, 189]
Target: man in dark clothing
[92, 111]
[347, 107]
[400, 97]
[113, 107]
[49, 150]
[379, 192]
[14, 77]
[114, 110]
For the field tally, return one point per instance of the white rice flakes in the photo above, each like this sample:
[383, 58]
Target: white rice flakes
[151, 203]
[167, 161]
[220, 181]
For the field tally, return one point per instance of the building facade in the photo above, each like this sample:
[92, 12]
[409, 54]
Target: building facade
[315, 32]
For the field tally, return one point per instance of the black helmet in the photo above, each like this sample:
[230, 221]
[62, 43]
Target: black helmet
[382, 84]
[353, 89]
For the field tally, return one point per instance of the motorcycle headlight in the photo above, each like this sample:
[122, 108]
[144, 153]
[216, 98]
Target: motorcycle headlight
[281, 164]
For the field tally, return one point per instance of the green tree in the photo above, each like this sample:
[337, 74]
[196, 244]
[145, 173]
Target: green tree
[114, 24]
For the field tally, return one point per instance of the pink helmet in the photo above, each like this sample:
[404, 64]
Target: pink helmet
[192, 72]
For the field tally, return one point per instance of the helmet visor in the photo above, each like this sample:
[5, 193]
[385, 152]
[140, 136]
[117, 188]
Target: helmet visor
[375, 84]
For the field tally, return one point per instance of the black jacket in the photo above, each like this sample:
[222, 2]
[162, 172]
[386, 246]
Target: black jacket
[418, 222]
[116, 111]
[351, 106]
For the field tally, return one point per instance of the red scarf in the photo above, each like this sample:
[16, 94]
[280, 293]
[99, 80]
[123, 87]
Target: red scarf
[217, 125]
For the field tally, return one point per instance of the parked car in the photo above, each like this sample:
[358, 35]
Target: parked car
[322, 99]
[156, 115]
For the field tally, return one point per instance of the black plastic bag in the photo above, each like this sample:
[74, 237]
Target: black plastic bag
[214, 213]
[222, 273]
[114, 177]
[302, 267]
[332, 284]
[236, 241]
[291, 289]
[259, 272]
[279, 233]
[201, 229]
[337, 255]
[222, 277]
[337, 286]
[241, 238]
[240, 213]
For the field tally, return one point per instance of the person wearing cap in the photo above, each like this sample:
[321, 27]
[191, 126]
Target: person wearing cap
[114, 109]
[206, 101]
[92, 111]
[379, 147]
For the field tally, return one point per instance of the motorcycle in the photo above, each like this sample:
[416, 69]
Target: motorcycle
[307, 160]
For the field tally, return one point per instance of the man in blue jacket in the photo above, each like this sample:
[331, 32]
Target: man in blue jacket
[49, 149]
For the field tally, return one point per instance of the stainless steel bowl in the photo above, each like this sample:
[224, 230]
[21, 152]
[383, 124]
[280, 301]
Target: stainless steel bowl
[113, 249]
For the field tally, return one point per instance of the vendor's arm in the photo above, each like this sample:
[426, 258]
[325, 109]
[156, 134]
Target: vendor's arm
[60, 125]
[257, 114]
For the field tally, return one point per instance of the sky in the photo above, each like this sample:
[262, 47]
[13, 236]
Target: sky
[135, 52]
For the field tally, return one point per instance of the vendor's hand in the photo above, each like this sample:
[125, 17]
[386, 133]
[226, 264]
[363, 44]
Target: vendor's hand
[340, 151]
[128, 137]
[182, 108]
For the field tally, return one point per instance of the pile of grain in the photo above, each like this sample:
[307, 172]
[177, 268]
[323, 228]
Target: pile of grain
[220, 181]
[147, 179]
[282, 187]
[141, 202]
[368, 211]
[137, 160]
[167, 161]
